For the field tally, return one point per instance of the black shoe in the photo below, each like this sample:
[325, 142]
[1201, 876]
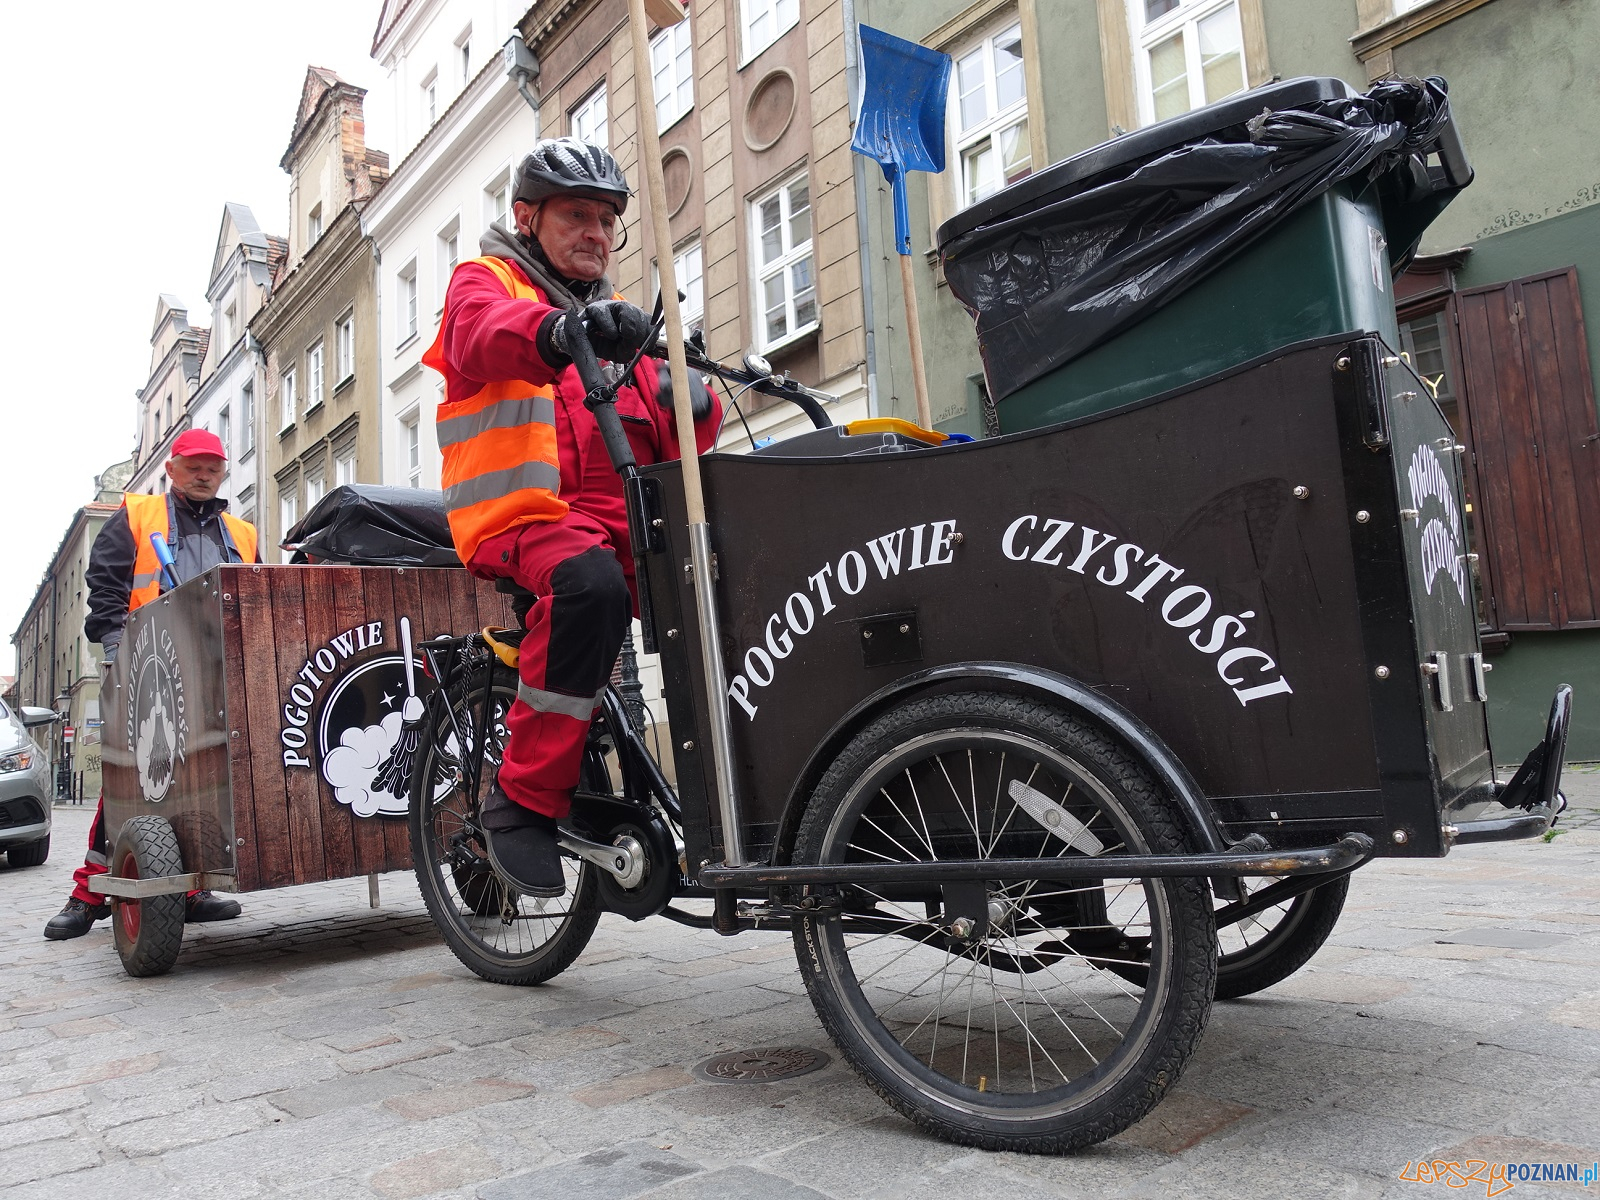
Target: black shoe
[203, 906]
[523, 848]
[75, 920]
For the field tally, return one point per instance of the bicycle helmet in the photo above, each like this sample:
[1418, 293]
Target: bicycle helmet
[567, 165]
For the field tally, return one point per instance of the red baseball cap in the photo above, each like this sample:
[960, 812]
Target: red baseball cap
[198, 441]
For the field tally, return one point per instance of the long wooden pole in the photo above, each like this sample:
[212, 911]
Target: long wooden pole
[919, 371]
[669, 12]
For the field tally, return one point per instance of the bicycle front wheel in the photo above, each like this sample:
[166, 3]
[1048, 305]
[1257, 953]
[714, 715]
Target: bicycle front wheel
[491, 927]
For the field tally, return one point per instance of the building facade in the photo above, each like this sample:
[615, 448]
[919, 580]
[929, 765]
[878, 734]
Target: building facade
[462, 127]
[319, 331]
[231, 372]
[176, 351]
[57, 667]
[753, 109]
[1492, 313]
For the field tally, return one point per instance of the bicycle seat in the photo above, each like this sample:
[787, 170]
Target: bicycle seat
[522, 600]
[510, 587]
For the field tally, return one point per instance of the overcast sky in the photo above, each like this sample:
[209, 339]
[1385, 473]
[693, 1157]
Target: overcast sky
[127, 127]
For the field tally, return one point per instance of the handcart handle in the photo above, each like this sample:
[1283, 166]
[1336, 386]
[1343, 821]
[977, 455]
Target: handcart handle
[601, 397]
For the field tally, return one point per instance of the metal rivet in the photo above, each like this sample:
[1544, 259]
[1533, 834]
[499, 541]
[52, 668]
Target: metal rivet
[227, 595]
[866, 633]
[672, 633]
[1342, 363]
[235, 733]
[1382, 672]
[688, 745]
[1407, 396]
[905, 628]
[658, 523]
[1390, 360]
[1363, 516]
[1430, 668]
[1399, 837]
[1302, 492]
[240, 842]
[958, 537]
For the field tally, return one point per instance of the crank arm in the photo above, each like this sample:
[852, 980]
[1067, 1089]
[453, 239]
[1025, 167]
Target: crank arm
[623, 863]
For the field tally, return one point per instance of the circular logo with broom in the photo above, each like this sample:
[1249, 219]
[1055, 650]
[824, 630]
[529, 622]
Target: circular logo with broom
[345, 711]
[157, 727]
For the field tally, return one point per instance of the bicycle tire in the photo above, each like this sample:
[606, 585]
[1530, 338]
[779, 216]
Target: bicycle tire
[495, 931]
[859, 812]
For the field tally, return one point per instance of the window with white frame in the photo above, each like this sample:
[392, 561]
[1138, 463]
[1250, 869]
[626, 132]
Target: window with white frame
[344, 465]
[286, 394]
[449, 254]
[1187, 54]
[314, 376]
[314, 225]
[763, 22]
[406, 308]
[430, 100]
[687, 266]
[464, 56]
[247, 418]
[411, 448]
[345, 347]
[316, 486]
[672, 71]
[989, 116]
[780, 226]
[497, 201]
[589, 119]
[225, 427]
[288, 512]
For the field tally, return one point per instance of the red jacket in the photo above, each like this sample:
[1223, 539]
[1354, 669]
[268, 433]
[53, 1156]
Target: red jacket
[490, 336]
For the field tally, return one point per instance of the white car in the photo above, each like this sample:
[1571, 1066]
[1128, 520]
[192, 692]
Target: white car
[24, 787]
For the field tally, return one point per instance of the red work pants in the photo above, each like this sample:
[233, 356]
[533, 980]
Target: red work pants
[575, 630]
[94, 860]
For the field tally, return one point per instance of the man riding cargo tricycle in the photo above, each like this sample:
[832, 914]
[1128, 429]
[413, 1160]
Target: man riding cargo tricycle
[1039, 744]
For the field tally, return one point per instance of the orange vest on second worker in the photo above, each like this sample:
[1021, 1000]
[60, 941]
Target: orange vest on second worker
[501, 467]
[147, 515]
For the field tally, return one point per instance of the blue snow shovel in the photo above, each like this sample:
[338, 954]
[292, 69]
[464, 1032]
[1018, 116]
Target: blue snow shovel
[900, 124]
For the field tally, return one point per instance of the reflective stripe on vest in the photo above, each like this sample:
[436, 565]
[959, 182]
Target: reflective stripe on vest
[501, 466]
[150, 514]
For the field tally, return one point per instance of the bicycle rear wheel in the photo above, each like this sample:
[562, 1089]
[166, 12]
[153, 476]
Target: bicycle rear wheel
[492, 928]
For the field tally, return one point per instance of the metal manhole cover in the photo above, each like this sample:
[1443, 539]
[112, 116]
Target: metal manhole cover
[763, 1064]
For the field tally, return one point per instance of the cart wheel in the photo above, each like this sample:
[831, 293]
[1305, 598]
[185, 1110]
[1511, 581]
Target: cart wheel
[987, 1013]
[148, 932]
[1269, 947]
[499, 933]
[1272, 945]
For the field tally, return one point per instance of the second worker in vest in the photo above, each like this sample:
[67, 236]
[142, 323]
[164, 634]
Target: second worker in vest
[123, 574]
[531, 491]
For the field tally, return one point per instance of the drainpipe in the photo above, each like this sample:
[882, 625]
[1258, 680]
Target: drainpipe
[852, 75]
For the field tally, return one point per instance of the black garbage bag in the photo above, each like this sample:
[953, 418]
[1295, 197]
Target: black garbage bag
[1067, 269]
[367, 524]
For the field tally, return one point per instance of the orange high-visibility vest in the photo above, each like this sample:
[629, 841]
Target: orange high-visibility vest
[147, 515]
[501, 465]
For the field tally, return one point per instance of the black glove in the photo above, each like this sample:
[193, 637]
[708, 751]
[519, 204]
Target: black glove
[616, 328]
[699, 394]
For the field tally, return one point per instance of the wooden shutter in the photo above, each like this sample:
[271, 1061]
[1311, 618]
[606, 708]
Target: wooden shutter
[1530, 406]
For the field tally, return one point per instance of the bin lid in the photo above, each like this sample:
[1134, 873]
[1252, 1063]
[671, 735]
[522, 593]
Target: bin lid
[1048, 185]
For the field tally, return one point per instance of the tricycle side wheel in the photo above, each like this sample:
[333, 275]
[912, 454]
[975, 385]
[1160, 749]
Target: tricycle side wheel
[148, 932]
[1267, 948]
[1271, 946]
[492, 928]
[989, 1014]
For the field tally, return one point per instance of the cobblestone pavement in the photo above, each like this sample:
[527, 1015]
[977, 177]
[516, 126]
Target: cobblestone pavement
[318, 1048]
